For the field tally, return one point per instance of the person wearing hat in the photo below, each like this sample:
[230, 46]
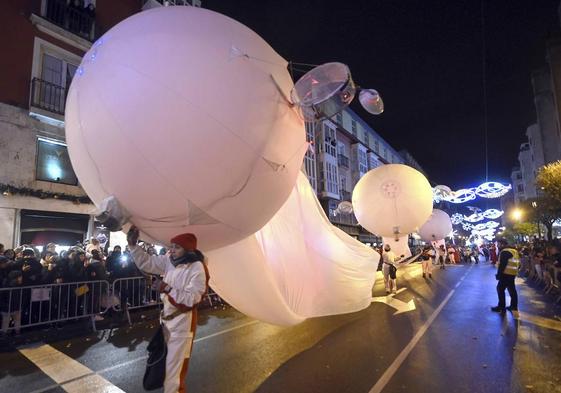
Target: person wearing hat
[509, 262]
[185, 281]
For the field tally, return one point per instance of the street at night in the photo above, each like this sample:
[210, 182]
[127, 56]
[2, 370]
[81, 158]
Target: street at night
[212, 196]
[449, 342]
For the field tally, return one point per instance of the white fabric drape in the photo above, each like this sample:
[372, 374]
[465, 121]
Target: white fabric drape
[296, 267]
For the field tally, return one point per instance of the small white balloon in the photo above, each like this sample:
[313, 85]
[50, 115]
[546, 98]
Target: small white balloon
[437, 227]
[345, 207]
[371, 101]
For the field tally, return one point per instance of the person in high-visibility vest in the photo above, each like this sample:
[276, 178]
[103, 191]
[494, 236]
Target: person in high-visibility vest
[509, 263]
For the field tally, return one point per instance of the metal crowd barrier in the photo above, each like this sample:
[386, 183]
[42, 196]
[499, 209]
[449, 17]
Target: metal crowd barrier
[22, 307]
[131, 293]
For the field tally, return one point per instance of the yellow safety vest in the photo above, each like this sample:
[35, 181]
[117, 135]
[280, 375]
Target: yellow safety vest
[513, 263]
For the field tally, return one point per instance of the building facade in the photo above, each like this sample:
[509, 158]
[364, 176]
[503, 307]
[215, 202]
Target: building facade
[547, 116]
[517, 185]
[544, 137]
[44, 42]
[344, 149]
[527, 171]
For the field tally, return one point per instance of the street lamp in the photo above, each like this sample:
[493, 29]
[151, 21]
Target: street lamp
[516, 214]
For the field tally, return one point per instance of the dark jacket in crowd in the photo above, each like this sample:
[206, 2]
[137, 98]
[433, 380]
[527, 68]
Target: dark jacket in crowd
[95, 271]
[10, 301]
[5, 268]
[31, 270]
[76, 269]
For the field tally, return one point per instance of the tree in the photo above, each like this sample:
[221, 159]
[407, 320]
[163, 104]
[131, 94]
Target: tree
[526, 228]
[509, 235]
[545, 210]
[549, 180]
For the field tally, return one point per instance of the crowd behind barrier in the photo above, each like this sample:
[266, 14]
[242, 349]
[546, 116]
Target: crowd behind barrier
[540, 262]
[84, 281]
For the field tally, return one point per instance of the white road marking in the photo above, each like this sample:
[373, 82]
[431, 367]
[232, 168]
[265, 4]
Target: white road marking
[68, 373]
[400, 290]
[77, 377]
[392, 369]
[399, 305]
[226, 331]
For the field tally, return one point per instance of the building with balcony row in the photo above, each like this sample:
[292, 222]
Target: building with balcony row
[344, 149]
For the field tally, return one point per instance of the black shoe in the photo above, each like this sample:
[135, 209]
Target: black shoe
[512, 309]
[430, 275]
[424, 275]
[498, 309]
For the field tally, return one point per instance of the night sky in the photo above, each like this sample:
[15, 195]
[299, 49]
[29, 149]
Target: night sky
[426, 60]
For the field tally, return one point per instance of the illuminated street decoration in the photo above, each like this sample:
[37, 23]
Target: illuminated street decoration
[480, 227]
[457, 218]
[492, 190]
[441, 193]
[485, 190]
[461, 196]
[489, 232]
[478, 215]
[475, 217]
[492, 213]
[467, 227]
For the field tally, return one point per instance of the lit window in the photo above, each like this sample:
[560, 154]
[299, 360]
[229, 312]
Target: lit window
[53, 163]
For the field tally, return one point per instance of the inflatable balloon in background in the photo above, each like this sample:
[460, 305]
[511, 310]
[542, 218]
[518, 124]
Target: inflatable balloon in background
[392, 200]
[344, 207]
[180, 115]
[437, 227]
[297, 266]
[371, 101]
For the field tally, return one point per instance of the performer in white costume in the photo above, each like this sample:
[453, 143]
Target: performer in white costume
[442, 254]
[427, 261]
[390, 261]
[185, 281]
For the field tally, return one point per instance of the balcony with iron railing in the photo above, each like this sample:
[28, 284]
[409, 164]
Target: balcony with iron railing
[147, 4]
[343, 161]
[47, 96]
[70, 17]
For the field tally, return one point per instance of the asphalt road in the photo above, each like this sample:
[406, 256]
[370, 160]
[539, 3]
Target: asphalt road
[445, 339]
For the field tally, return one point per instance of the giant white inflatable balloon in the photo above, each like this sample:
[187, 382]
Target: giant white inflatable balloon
[437, 227]
[392, 200]
[181, 114]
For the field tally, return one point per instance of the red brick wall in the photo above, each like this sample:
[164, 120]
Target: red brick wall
[110, 12]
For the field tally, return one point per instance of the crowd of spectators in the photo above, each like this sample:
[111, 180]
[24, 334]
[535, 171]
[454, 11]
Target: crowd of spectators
[540, 261]
[86, 268]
